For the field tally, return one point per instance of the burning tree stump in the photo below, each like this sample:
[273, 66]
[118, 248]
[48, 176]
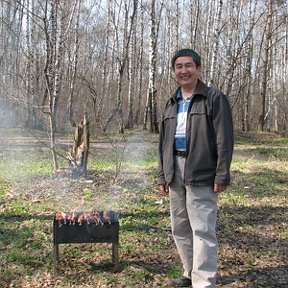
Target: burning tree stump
[78, 155]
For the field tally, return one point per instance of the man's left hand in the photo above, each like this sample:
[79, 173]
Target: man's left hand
[218, 188]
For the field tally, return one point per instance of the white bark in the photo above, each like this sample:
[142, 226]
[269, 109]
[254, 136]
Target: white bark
[215, 42]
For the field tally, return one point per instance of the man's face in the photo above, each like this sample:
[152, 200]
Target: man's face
[186, 72]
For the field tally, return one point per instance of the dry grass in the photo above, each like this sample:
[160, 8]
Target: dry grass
[252, 222]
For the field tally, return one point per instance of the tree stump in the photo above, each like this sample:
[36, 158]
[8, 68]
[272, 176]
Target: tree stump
[78, 154]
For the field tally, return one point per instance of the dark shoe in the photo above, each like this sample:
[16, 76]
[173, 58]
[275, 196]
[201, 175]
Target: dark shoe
[181, 282]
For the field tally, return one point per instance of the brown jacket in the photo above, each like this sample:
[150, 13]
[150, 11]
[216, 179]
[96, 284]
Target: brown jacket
[209, 136]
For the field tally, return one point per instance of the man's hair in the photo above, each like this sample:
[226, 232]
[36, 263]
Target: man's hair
[186, 52]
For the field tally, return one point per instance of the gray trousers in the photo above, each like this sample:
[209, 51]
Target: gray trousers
[193, 220]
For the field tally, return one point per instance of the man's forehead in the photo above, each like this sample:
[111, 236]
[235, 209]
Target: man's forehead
[184, 60]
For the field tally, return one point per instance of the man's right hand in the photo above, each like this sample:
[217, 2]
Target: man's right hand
[164, 189]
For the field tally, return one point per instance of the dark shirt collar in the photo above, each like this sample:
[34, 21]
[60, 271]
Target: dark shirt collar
[201, 89]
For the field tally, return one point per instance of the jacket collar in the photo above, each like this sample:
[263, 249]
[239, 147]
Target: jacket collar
[201, 89]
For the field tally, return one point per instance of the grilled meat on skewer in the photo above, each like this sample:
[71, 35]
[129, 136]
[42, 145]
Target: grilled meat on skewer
[106, 217]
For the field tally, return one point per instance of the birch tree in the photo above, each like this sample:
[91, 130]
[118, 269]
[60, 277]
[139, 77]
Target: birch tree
[285, 74]
[139, 67]
[131, 72]
[151, 92]
[267, 45]
[73, 63]
[122, 61]
[151, 103]
[248, 70]
[208, 37]
[230, 54]
[61, 54]
[105, 74]
[56, 31]
[215, 42]
[194, 22]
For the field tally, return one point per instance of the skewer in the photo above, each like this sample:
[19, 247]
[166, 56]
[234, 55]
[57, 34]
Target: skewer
[64, 217]
[73, 218]
[106, 217]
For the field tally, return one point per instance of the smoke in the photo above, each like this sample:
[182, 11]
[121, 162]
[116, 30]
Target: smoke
[8, 117]
[104, 189]
[129, 155]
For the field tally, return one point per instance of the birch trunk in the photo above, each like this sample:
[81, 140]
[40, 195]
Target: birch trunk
[122, 61]
[55, 37]
[131, 78]
[105, 82]
[30, 89]
[53, 81]
[216, 43]
[177, 24]
[151, 103]
[140, 68]
[74, 65]
[285, 76]
[194, 22]
[230, 56]
[268, 35]
[207, 40]
[252, 11]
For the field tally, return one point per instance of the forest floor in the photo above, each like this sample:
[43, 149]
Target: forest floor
[252, 218]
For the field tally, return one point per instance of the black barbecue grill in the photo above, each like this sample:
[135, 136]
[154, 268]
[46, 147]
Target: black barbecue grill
[82, 227]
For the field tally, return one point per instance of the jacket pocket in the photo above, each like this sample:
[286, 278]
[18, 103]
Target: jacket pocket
[200, 108]
[169, 114]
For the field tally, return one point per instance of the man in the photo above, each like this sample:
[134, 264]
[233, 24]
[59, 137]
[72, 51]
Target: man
[195, 152]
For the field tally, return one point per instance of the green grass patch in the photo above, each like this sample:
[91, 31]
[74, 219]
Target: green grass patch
[252, 217]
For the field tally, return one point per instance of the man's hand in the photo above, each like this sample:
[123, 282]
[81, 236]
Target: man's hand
[164, 189]
[218, 188]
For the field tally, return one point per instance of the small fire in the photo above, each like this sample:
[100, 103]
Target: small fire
[73, 218]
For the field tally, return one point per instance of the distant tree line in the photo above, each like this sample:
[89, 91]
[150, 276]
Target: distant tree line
[111, 59]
